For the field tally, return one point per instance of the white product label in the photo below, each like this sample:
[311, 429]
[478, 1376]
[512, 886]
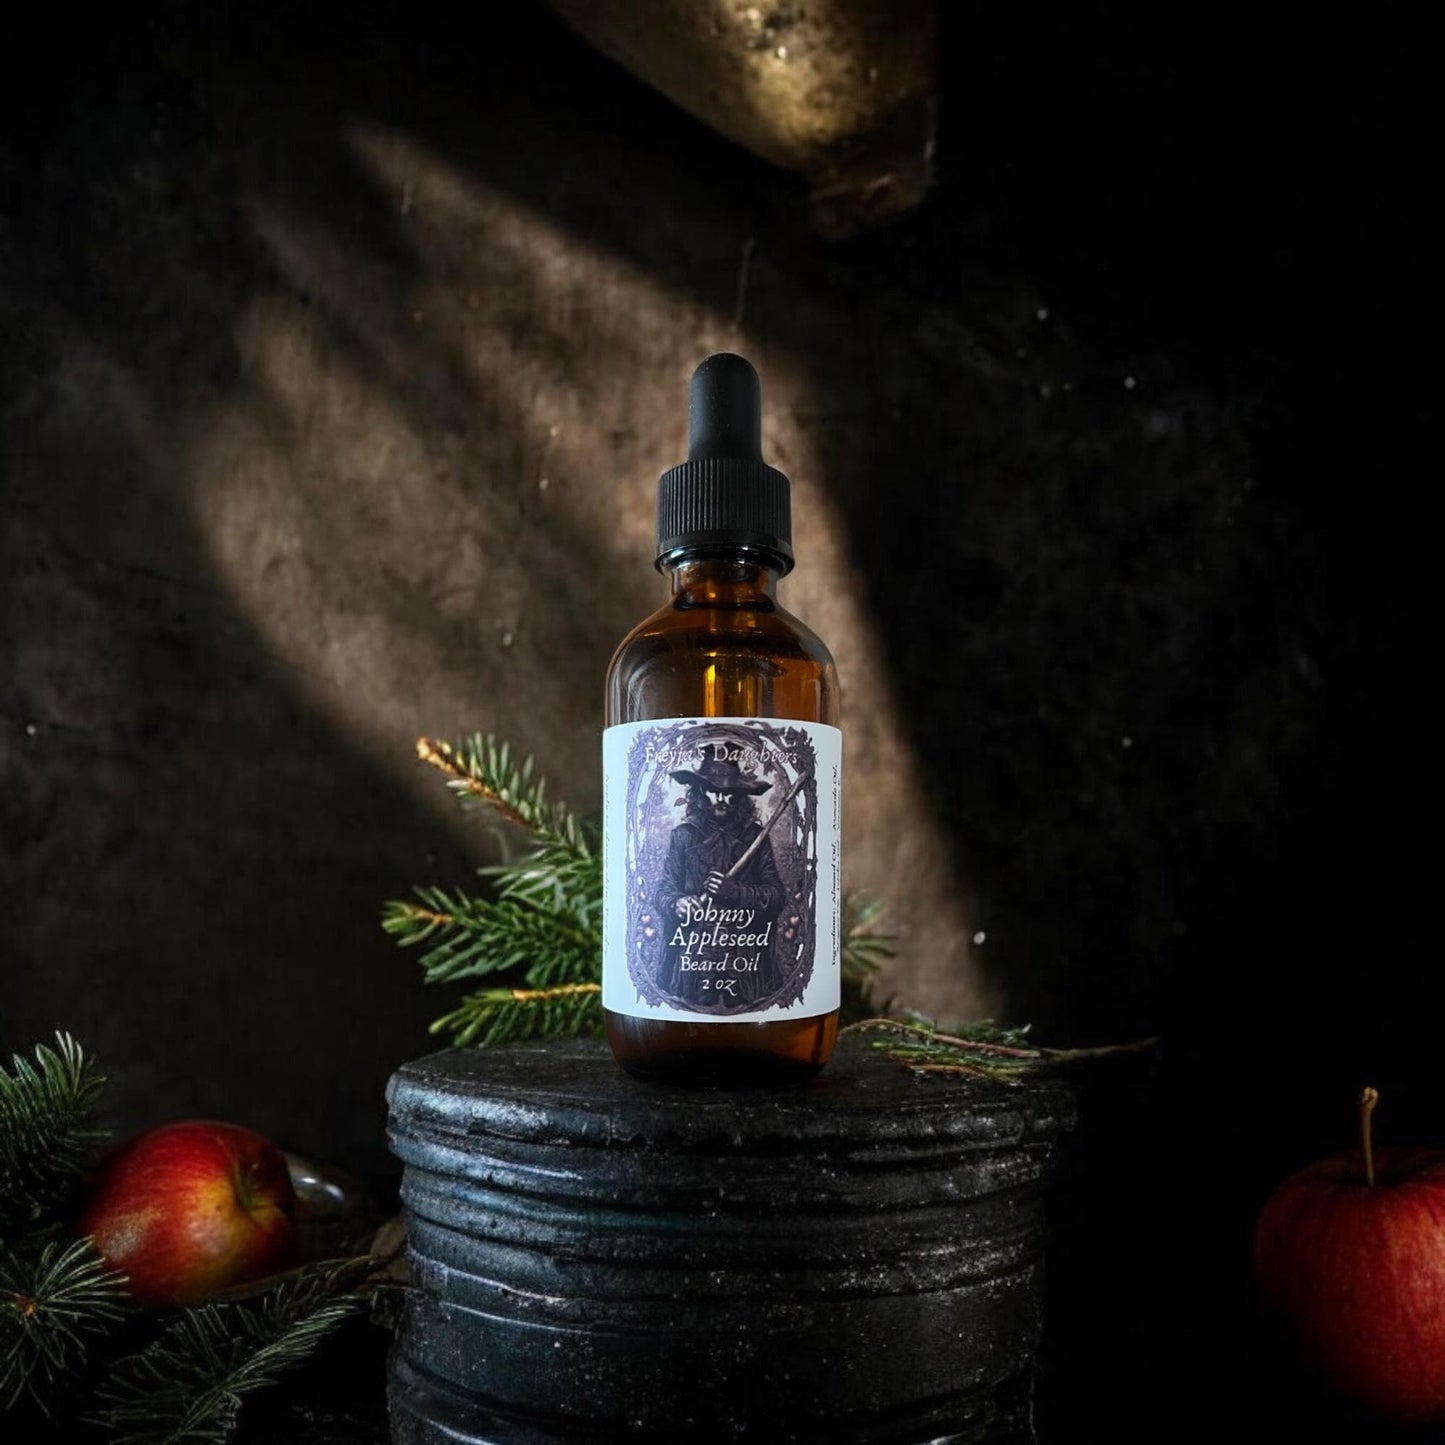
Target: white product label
[721, 869]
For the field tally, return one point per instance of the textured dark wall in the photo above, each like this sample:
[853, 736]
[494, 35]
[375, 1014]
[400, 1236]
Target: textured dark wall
[1110, 487]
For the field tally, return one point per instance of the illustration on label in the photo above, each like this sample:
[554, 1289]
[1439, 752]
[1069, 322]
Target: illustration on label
[720, 835]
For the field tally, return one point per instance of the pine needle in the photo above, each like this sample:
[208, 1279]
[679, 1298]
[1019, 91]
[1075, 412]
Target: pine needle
[981, 1048]
[188, 1386]
[508, 1015]
[46, 1132]
[479, 769]
[557, 879]
[467, 937]
[52, 1303]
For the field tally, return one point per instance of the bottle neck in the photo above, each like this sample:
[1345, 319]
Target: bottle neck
[723, 579]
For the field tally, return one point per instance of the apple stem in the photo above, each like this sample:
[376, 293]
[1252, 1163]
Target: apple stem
[1368, 1099]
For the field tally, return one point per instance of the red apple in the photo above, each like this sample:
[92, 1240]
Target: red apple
[189, 1209]
[1349, 1254]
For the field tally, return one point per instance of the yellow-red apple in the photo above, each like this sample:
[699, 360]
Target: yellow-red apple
[189, 1209]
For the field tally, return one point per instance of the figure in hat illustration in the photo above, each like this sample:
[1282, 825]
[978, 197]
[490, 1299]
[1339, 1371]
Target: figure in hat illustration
[720, 892]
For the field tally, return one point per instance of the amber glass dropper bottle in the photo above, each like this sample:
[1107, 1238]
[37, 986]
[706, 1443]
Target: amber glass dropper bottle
[721, 768]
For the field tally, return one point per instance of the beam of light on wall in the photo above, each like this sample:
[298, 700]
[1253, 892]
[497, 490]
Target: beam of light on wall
[433, 493]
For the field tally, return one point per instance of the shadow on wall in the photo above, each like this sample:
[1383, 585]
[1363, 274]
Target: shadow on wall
[236, 331]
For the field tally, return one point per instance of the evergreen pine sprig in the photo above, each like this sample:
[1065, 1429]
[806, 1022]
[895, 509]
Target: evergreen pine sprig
[188, 1385]
[508, 1015]
[539, 937]
[557, 878]
[981, 1048]
[480, 769]
[467, 937]
[562, 874]
[46, 1130]
[53, 1302]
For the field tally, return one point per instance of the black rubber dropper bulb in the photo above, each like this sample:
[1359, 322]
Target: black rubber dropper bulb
[725, 410]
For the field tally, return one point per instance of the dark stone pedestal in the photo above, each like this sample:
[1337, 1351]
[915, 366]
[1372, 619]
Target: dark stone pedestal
[857, 1260]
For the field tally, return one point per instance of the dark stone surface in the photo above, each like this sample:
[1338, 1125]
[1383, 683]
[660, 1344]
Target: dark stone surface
[859, 1259]
[570, 1095]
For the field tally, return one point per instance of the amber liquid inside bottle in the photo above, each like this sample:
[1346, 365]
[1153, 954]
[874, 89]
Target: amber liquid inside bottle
[722, 647]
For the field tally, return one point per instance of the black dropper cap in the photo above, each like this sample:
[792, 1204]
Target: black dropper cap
[725, 495]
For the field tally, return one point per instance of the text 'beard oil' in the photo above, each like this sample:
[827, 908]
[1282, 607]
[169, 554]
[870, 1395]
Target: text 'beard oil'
[721, 780]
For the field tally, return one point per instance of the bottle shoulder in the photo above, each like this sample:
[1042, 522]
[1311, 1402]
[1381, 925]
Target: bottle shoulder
[811, 643]
[722, 662]
[763, 631]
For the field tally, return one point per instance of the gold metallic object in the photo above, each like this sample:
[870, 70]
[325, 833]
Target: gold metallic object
[843, 91]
